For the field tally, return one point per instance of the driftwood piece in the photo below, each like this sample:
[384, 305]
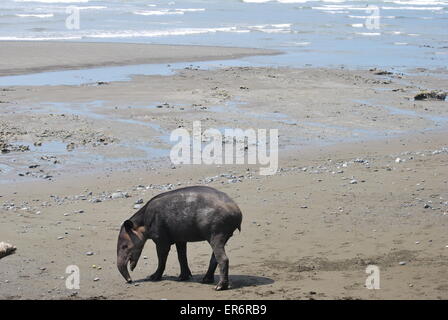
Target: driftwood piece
[6, 249]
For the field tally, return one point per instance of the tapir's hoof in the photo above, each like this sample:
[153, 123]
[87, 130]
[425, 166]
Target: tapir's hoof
[155, 277]
[222, 286]
[208, 280]
[129, 281]
[184, 277]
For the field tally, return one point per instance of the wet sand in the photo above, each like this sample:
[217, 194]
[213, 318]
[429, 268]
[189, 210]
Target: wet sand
[340, 201]
[18, 57]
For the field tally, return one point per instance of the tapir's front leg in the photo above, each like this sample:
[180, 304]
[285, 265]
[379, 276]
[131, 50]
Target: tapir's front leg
[185, 272]
[162, 253]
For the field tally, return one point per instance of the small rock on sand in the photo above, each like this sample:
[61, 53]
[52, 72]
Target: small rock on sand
[118, 195]
[430, 95]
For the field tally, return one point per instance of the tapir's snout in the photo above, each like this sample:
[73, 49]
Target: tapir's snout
[123, 268]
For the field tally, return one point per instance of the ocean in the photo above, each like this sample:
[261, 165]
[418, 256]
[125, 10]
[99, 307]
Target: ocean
[333, 33]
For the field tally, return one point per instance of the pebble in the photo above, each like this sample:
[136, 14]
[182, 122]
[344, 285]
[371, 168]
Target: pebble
[118, 195]
[96, 279]
[139, 201]
[402, 263]
[398, 160]
[89, 253]
[353, 181]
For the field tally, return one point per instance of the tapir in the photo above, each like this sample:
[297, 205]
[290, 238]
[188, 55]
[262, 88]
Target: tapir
[189, 214]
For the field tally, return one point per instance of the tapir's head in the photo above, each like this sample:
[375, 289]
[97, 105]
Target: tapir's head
[129, 248]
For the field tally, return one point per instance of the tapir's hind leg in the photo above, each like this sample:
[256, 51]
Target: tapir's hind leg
[185, 272]
[217, 243]
[210, 275]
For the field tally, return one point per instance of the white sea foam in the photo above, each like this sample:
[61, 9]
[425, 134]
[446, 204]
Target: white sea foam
[304, 1]
[34, 15]
[91, 7]
[413, 8]
[191, 10]
[125, 34]
[364, 17]
[256, 1]
[340, 7]
[281, 25]
[160, 33]
[163, 12]
[291, 1]
[156, 12]
[369, 34]
[267, 30]
[54, 1]
[272, 28]
[418, 2]
[301, 44]
[399, 2]
[40, 38]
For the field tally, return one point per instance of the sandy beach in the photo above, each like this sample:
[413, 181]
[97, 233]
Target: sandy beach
[18, 57]
[362, 176]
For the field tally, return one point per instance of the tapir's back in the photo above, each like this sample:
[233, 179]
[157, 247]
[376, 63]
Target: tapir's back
[195, 213]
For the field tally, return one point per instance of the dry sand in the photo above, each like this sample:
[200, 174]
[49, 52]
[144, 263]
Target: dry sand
[339, 202]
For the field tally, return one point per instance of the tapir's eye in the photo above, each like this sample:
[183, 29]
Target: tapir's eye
[124, 247]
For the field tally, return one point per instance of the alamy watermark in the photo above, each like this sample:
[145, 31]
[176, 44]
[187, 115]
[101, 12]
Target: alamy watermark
[373, 280]
[232, 146]
[373, 21]
[73, 280]
[73, 21]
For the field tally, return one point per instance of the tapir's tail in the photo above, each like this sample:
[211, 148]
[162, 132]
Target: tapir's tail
[239, 217]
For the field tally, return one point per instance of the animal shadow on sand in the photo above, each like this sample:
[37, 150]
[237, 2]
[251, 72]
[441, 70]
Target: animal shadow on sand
[236, 281]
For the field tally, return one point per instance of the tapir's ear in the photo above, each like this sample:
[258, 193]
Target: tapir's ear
[128, 225]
